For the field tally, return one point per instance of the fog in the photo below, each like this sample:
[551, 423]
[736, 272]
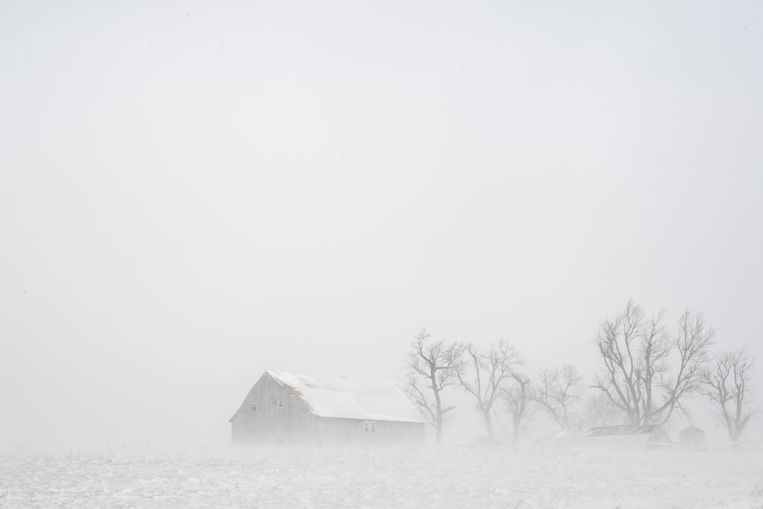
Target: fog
[192, 193]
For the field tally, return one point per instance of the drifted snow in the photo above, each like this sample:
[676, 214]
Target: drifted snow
[376, 400]
[416, 477]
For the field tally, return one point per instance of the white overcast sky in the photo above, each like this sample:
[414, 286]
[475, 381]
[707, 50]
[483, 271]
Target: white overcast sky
[193, 192]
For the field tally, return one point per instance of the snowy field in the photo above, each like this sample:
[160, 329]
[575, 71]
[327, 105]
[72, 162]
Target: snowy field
[547, 476]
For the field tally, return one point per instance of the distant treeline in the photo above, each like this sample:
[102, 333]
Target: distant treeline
[647, 373]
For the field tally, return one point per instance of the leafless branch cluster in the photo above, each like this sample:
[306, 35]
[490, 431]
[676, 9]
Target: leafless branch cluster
[558, 391]
[598, 410]
[484, 376]
[635, 352]
[727, 385]
[432, 367]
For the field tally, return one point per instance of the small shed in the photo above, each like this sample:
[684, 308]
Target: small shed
[286, 408]
[691, 435]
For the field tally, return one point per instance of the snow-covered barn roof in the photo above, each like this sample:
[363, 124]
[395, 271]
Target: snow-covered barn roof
[375, 400]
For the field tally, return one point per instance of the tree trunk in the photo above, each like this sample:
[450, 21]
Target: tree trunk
[488, 424]
[515, 430]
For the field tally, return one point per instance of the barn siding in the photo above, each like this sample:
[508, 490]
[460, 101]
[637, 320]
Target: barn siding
[352, 430]
[260, 419]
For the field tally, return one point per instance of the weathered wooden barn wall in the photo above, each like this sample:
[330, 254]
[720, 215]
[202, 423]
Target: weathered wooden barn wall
[272, 412]
[354, 430]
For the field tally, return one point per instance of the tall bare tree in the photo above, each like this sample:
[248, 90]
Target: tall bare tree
[635, 353]
[432, 367]
[518, 398]
[727, 384]
[557, 391]
[483, 376]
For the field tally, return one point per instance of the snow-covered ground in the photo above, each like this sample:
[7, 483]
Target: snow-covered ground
[543, 476]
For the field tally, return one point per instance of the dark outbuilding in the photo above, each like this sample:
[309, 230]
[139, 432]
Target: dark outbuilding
[691, 435]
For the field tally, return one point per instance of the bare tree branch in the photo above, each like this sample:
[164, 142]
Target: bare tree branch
[726, 384]
[432, 367]
[634, 352]
[484, 374]
[518, 398]
[557, 392]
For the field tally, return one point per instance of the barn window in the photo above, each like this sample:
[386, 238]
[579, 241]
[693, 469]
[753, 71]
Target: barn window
[280, 403]
[254, 407]
[369, 426]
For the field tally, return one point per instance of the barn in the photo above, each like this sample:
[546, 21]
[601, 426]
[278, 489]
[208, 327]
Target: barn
[287, 408]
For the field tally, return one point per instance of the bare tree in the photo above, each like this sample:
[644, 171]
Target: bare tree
[518, 398]
[432, 367]
[727, 383]
[484, 374]
[557, 391]
[634, 352]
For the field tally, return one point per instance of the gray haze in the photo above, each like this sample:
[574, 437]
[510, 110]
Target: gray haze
[193, 192]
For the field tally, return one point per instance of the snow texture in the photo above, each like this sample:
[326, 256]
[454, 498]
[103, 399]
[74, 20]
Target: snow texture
[374, 400]
[414, 477]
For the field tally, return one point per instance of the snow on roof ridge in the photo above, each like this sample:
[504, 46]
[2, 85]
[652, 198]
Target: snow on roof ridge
[296, 381]
[351, 398]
